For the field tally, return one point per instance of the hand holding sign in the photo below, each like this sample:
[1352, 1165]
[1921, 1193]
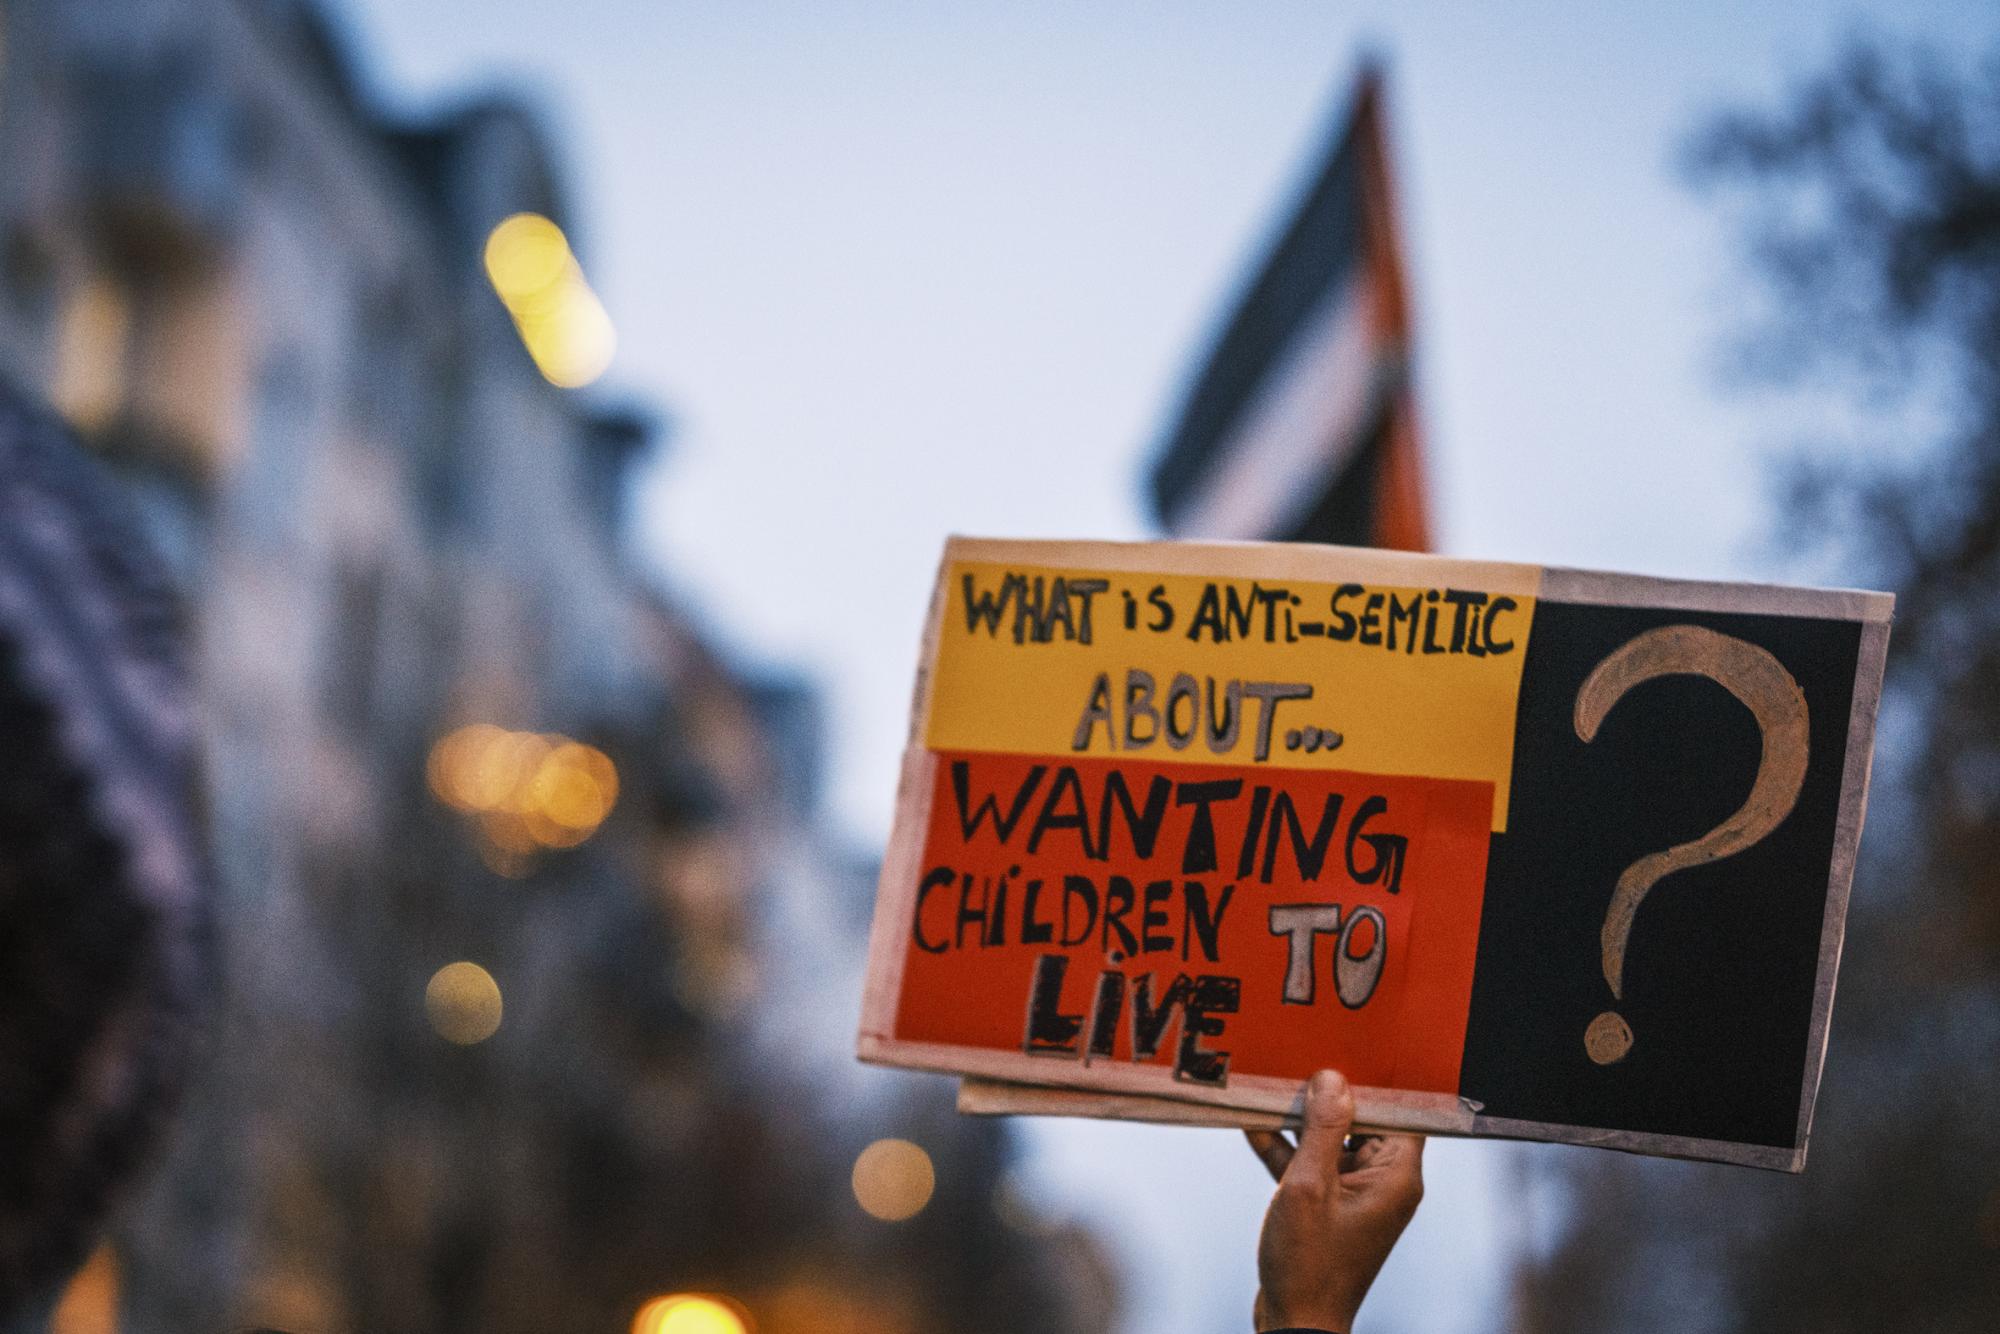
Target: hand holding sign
[1339, 1209]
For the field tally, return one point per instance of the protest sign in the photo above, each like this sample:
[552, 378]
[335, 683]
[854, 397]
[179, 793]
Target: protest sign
[1522, 851]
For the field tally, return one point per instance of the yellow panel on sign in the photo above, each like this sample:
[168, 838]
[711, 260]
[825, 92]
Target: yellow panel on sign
[1367, 677]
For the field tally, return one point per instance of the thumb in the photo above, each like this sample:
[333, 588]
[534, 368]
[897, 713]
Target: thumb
[1329, 1116]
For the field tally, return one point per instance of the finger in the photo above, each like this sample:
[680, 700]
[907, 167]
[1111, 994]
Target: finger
[1388, 1149]
[1329, 1116]
[1273, 1149]
[1394, 1176]
[1407, 1172]
[1406, 1151]
[1367, 1148]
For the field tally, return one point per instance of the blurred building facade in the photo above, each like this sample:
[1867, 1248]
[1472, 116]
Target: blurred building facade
[1299, 422]
[274, 313]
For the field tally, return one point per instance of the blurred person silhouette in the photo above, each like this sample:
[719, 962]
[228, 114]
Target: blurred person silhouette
[1342, 1201]
[106, 961]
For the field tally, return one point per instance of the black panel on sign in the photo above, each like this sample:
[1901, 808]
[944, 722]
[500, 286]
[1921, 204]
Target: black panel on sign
[1721, 961]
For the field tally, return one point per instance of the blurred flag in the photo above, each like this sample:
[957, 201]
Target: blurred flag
[1299, 425]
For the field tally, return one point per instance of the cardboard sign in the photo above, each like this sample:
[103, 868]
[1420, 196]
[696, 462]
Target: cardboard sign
[1522, 851]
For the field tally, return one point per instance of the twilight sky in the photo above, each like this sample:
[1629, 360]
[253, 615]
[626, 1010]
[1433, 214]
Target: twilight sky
[899, 270]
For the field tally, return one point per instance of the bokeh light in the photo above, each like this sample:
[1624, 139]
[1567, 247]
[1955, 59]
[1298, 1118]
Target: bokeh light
[893, 1180]
[572, 342]
[89, 1303]
[526, 791]
[690, 1313]
[561, 322]
[463, 1002]
[574, 786]
[526, 257]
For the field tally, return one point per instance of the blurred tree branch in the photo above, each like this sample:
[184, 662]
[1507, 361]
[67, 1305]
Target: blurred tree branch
[1869, 206]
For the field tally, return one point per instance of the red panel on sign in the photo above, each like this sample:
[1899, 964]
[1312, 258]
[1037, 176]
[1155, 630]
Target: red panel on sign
[1219, 920]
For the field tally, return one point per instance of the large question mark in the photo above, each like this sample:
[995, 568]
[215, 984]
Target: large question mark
[1770, 693]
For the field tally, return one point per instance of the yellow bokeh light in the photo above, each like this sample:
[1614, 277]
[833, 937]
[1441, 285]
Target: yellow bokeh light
[526, 256]
[463, 1002]
[575, 786]
[893, 1180]
[561, 322]
[548, 834]
[491, 774]
[526, 791]
[690, 1313]
[508, 777]
[453, 760]
[569, 336]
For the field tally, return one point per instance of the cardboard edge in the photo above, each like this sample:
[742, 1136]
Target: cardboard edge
[1596, 588]
[1772, 1158]
[1870, 662]
[1334, 564]
[895, 887]
[1430, 1113]
[994, 1097]
[895, 899]
[927, 649]
[990, 1097]
[1305, 561]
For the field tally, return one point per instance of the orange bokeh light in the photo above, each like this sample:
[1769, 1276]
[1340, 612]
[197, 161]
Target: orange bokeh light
[691, 1313]
[526, 791]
